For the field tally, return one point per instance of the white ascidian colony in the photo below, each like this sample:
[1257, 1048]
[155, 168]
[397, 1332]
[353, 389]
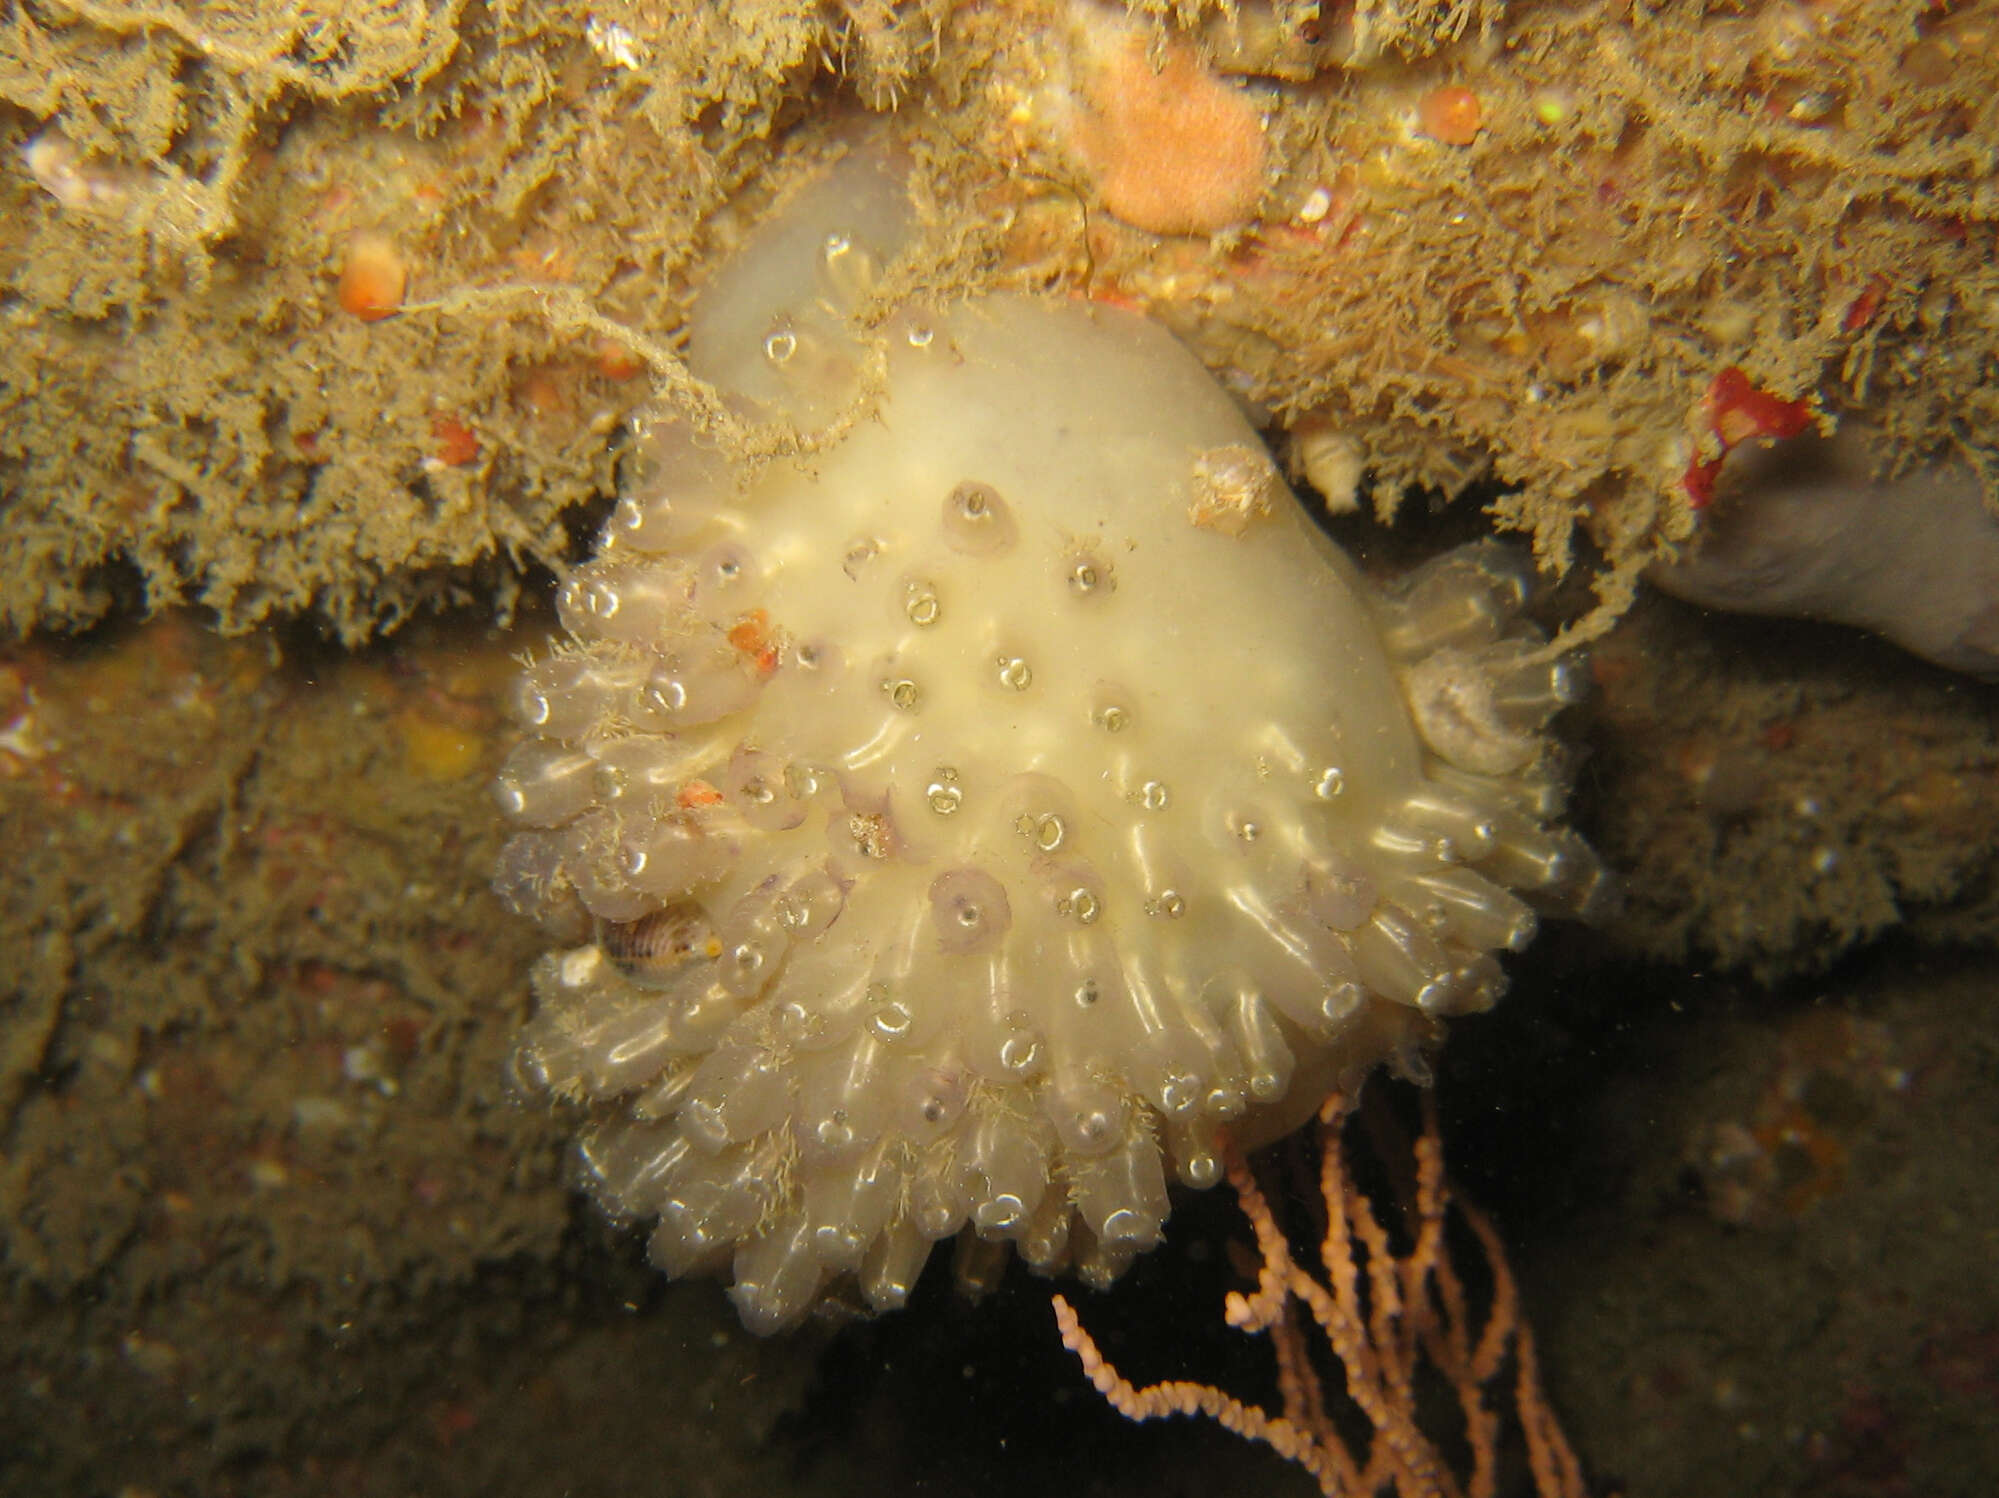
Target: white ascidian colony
[975, 819]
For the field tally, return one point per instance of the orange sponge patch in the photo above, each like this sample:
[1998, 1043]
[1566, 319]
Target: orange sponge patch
[1170, 147]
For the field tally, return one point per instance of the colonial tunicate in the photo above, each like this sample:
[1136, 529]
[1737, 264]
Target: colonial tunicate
[962, 825]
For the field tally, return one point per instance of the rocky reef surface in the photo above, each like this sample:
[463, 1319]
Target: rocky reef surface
[327, 325]
[334, 314]
[255, 1097]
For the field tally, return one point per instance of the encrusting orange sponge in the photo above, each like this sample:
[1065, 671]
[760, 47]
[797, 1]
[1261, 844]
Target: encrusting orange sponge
[1170, 147]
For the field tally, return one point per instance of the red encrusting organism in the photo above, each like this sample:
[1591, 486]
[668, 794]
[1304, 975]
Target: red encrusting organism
[1735, 411]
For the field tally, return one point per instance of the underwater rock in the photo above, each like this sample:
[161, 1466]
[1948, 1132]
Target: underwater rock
[1807, 533]
[982, 810]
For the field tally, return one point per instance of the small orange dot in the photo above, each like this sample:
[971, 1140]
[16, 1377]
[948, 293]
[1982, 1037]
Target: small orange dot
[750, 633]
[616, 362]
[373, 277]
[543, 392]
[1450, 114]
[457, 443]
